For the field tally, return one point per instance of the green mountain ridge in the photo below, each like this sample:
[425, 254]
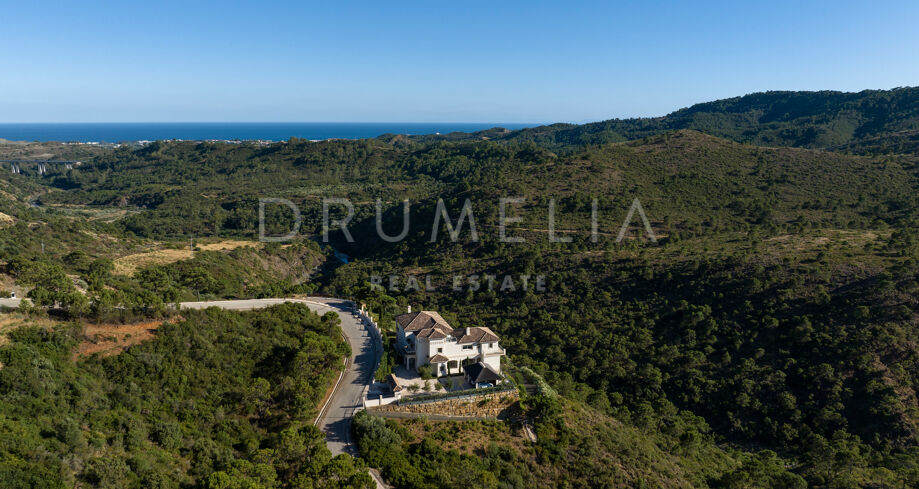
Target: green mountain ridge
[777, 118]
[777, 312]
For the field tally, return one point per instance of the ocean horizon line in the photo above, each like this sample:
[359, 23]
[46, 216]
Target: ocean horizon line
[283, 122]
[114, 132]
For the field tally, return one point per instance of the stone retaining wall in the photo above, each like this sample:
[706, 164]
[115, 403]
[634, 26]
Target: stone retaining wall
[484, 406]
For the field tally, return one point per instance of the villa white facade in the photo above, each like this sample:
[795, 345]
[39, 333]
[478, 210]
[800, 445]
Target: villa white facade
[425, 338]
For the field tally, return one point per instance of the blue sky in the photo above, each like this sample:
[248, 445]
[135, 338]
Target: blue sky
[429, 61]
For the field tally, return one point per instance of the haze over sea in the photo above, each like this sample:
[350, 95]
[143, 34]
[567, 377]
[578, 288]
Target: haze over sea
[274, 131]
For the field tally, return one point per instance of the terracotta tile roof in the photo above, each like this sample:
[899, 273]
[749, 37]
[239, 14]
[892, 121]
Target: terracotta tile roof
[435, 333]
[475, 335]
[422, 320]
[430, 325]
[439, 359]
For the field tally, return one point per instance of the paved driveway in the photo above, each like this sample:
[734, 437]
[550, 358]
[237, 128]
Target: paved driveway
[335, 419]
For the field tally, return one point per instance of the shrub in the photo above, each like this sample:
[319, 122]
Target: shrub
[425, 372]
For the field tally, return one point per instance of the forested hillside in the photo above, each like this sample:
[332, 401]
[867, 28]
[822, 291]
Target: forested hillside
[577, 447]
[218, 400]
[766, 338]
[804, 119]
[683, 177]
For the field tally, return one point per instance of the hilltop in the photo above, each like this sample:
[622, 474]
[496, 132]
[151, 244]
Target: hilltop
[682, 177]
[778, 311]
[821, 119]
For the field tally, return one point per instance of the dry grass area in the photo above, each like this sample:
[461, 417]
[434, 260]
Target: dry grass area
[130, 264]
[471, 437]
[228, 244]
[105, 339]
[823, 237]
[112, 339]
[6, 220]
[6, 282]
[91, 212]
[11, 321]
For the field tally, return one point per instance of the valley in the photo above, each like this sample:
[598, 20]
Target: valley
[765, 338]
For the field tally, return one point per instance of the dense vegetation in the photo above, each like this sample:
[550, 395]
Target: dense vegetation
[767, 339]
[79, 285]
[218, 400]
[771, 353]
[576, 447]
[867, 121]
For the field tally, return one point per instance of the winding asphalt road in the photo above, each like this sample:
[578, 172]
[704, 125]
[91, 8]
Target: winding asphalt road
[347, 398]
[348, 395]
[335, 417]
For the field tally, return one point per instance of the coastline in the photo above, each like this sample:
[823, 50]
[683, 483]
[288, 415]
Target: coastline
[100, 133]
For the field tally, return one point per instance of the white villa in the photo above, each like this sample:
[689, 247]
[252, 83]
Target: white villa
[425, 338]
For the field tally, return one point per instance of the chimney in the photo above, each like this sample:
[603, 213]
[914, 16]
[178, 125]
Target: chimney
[409, 308]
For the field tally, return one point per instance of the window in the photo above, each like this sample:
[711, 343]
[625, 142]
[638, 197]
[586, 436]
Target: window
[467, 347]
[440, 350]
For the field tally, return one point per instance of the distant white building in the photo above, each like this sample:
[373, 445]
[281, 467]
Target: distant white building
[425, 338]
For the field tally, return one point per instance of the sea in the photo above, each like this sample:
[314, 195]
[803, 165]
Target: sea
[105, 132]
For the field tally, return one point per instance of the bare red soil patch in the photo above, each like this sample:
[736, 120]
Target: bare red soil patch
[112, 339]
